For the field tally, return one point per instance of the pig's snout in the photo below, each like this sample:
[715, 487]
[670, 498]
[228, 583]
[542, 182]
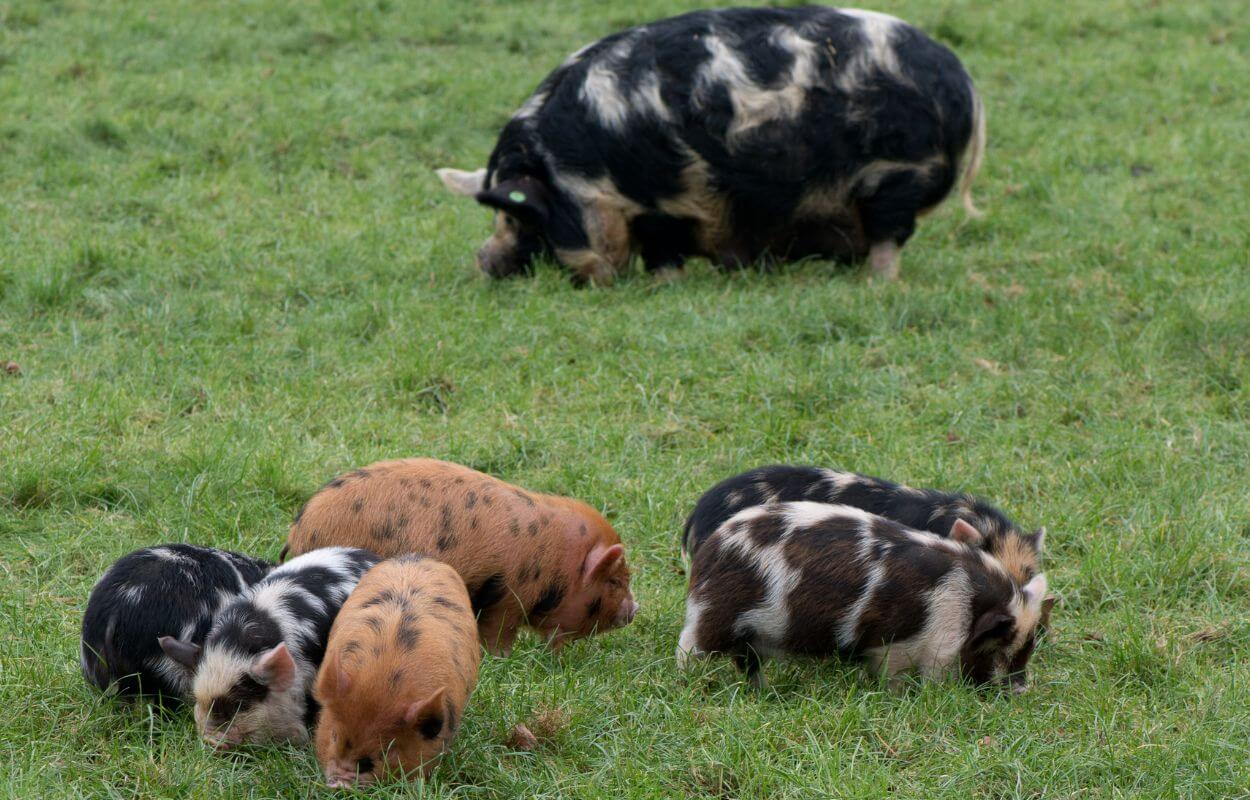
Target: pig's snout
[497, 260]
[344, 778]
[625, 614]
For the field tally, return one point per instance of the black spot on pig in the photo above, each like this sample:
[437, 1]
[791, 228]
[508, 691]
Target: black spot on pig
[488, 593]
[547, 602]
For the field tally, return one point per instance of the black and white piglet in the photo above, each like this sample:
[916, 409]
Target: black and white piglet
[923, 509]
[255, 671]
[168, 591]
[815, 579]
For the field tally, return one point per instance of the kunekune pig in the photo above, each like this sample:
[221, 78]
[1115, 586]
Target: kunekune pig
[254, 674]
[923, 509]
[552, 563]
[172, 590]
[817, 579]
[736, 135]
[399, 669]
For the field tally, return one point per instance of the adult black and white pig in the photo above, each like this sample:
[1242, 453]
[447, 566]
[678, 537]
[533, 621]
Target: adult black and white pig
[930, 510]
[173, 590]
[736, 135]
[817, 579]
[255, 672]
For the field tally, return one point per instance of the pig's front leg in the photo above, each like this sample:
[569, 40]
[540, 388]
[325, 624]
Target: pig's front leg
[497, 629]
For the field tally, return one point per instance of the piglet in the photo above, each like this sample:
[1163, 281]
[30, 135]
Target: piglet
[400, 666]
[931, 510]
[173, 590]
[552, 563]
[254, 673]
[817, 579]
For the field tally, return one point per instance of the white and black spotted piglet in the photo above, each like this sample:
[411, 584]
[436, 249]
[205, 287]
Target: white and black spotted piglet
[254, 674]
[931, 510]
[818, 579]
[170, 591]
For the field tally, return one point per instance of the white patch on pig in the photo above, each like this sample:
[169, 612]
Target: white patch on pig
[733, 499]
[269, 597]
[687, 643]
[847, 630]
[175, 674]
[835, 482]
[756, 105]
[935, 649]
[530, 107]
[172, 556]
[764, 626]
[603, 96]
[133, 593]
[804, 514]
[876, 52]
[602, 93]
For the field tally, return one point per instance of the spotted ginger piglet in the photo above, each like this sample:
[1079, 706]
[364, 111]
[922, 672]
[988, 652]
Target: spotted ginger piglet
[148, 607]
[816, 579]
[399, 668]
[552, 563]
[254, 674]
[940, 512]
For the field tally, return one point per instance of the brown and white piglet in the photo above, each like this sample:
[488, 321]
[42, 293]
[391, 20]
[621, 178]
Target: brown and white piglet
[399, 668]
[549, 562]
[817, 579]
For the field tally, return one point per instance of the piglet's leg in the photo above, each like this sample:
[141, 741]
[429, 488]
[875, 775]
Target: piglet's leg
[497, 629]
[883, 258]
[747, 660]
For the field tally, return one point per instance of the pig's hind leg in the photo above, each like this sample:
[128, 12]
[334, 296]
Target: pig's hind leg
[889, 213]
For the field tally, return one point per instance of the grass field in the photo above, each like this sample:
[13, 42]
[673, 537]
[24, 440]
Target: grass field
[227, 272]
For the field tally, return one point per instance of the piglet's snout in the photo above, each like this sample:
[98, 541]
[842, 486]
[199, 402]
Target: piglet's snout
[342, 778]
[625, 614]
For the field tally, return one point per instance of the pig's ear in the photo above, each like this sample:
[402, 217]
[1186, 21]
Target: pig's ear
[524, 198]
[185, 653]
[333, 680]
[991, 625]
[275, 668]
[1047, 604]
[599, 561]
[1039, 539]
[963, 532]
[427, 715]
[465, 184]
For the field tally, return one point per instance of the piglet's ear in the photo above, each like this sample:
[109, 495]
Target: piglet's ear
[333, 680]
[963, 532]
[599, 561]
[185, 653]
[427, 715]
[465, 184]
[524, 198]
[989, 626]
[1047, 604]
[1039, 539]
[275, 668]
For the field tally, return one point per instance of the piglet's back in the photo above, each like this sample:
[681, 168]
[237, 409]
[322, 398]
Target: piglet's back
[471, 520]
[404, 645]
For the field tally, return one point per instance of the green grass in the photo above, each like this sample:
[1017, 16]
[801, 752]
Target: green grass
[227, 272]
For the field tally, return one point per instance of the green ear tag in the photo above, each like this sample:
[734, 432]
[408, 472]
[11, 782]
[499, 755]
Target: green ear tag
[516, 197]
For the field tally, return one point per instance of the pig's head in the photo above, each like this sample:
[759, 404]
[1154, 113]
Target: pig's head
[366, 734]
[1001, 640]
[1019, 551]
[600, 600]
[246, 688]
[522, 211]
